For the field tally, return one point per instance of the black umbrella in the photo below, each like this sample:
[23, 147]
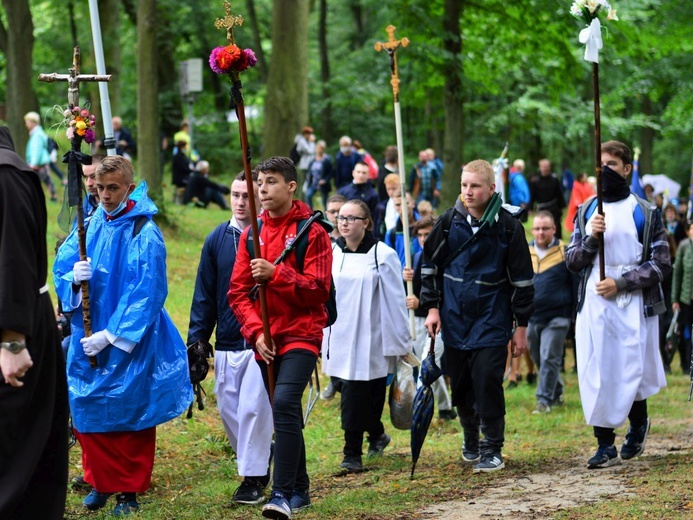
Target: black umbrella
[423, 404]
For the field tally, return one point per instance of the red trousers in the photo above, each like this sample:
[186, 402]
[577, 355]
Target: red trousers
[118, 462]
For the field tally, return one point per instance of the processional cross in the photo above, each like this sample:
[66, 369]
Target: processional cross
[75, 159]
[391, 47]
[229, 22]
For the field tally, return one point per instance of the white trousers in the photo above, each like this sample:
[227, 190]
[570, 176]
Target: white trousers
[245, 410]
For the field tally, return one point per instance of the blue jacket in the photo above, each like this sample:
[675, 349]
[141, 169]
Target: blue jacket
[343, 166]
[555, 288]
[210, 307]
[486, 287]
[395, 239]
[365, 192]
[151, 384]
[518, 192]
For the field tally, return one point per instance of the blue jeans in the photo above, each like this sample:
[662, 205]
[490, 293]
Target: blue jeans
[292, 371]
[546, 341]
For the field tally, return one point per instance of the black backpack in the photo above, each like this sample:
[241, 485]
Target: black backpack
[294, 155]
[301, 246]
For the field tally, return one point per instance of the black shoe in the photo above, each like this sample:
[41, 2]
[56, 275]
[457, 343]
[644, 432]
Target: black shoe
[447, 415]
[377, 446]
[352, 464]
[531, 378]
[251, 491]
[606, 456]
[489, 462]
[79, 483]
[511, 385]
[635, 441]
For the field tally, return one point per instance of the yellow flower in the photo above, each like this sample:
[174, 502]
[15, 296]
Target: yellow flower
[612, 15]
[81, 125]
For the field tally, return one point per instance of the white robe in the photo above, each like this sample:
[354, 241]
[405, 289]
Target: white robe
[618, 358]
[372, 327]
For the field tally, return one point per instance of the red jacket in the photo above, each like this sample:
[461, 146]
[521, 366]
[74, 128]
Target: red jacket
[296, 301]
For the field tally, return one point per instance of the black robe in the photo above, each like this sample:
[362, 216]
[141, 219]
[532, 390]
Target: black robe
[33, 418]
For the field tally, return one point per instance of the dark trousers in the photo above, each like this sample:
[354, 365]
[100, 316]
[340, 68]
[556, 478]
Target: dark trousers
[637, 417]
[685, 323]
[362, 408]
[476, 379]
[292, 371]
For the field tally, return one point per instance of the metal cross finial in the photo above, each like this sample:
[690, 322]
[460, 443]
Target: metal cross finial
[74, 78]
[391, 47]
[229, 22]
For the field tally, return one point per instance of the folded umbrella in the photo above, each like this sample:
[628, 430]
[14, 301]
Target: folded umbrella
[423, 405]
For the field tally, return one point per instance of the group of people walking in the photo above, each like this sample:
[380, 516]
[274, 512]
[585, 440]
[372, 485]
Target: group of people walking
[479, 287]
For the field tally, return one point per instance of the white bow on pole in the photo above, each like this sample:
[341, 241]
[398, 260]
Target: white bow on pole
[592, 38]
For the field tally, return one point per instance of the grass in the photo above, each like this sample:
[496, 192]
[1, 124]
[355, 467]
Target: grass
[195, 470]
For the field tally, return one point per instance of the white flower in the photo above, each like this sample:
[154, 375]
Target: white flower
[592, 5]
[576, 10]
[612, 15]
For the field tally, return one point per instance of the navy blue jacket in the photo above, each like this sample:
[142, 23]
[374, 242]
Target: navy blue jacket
[555, 288]
[210, 306]
[486, 287]
[343, 166]
[365, 192]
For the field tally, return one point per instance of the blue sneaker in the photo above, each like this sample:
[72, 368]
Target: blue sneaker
[635, 441]
[489, 462]
[299, 501]
[605, 457]
[95, 500]
[278, 507]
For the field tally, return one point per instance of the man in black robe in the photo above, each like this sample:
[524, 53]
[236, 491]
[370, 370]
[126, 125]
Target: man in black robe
[33, 388]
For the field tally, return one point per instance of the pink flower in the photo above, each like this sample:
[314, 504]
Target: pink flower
[67, 113]
[85, 113]
[246, 60]
[70, 132]
[76, 109]
[89, 136]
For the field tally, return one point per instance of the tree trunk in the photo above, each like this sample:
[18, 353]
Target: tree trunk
[453, 140]
[326, 129]
[148, 100]
[21, 97]
[286, 104]
[257, 41]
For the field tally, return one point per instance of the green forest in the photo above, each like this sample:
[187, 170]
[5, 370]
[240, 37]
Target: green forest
[476, 74]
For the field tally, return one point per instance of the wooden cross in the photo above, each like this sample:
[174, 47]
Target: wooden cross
[74, 78]
[229, 22]
[391, 47]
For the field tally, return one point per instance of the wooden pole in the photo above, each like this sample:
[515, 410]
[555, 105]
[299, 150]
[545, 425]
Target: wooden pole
[598, 163]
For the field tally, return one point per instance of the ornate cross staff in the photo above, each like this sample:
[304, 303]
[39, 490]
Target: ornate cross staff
[591, 36]
[231, 60]
[75, 159]
[390, 47]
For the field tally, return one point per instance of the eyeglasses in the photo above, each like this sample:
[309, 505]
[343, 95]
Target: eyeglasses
[350, 219]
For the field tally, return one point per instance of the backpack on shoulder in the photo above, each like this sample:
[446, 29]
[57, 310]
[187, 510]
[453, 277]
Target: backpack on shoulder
[300, 247]
[294, 155]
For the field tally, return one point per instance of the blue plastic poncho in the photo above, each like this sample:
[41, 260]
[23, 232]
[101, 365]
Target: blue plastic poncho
[150, 385]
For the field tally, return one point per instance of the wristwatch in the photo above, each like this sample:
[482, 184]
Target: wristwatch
[13, 346]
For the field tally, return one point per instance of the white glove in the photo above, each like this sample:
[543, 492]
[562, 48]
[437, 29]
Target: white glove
[95, 343]
[81, 271]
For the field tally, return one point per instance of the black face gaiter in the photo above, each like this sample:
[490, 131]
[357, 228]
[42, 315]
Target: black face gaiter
[614, 187]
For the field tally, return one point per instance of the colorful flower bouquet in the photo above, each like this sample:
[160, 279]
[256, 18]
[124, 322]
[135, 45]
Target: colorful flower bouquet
[80, 124]
[224, 60]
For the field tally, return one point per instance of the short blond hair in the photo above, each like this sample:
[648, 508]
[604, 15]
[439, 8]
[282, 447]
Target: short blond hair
[116, 164]
[32, 116]
[391, 179]
[519, 164]
[481, 167]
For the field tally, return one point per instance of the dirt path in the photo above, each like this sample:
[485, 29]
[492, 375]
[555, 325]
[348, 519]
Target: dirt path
[540, 495]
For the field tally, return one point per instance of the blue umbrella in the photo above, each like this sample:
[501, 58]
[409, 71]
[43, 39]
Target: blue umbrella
[423, 404]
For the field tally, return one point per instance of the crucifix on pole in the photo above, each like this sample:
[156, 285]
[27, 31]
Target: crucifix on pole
[391, 47]
[75, 159]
